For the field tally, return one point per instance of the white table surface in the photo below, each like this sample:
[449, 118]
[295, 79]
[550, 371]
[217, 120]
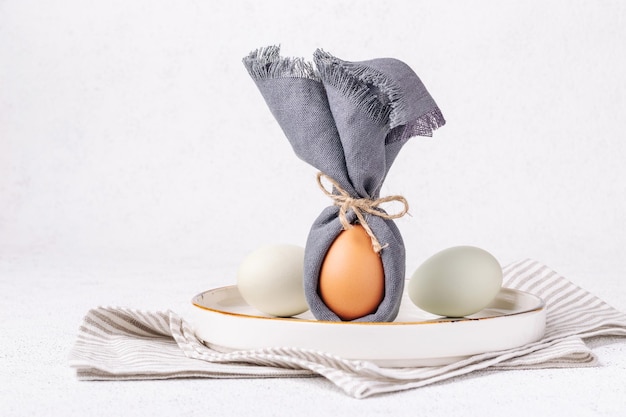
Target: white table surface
[45, 298]
[133, 142]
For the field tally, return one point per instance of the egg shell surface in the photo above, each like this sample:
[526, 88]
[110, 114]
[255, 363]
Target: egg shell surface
[352, 278]
[456, 282]
[270, 279]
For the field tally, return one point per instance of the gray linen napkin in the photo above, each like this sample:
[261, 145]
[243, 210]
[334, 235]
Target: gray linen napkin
[349, 120]
[121, 344]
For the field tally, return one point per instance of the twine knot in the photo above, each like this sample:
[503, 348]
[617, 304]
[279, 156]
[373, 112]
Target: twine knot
[360, 205]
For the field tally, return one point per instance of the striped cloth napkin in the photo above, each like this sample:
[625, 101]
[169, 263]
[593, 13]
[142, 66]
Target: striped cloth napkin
[123, 344]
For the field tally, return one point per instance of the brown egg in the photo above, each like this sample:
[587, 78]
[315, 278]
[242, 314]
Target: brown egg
[352, 279]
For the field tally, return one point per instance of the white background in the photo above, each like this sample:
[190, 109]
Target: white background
[131, 134]
[132, 129]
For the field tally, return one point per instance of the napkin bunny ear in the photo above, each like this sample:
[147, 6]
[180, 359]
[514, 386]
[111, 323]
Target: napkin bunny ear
[388, 93]
[297, 99]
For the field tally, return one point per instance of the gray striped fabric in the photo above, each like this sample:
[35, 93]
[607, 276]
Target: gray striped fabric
[121, 343]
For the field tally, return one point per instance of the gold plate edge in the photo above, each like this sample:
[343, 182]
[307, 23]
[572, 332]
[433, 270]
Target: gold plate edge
[441, 320]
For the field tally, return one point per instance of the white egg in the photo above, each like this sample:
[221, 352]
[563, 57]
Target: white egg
[456, 282]
[271, 280]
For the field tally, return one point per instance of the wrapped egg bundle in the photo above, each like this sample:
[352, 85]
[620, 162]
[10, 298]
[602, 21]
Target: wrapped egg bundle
[349, 120]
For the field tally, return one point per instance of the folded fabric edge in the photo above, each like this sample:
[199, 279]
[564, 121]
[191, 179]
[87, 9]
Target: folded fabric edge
[424, 125]
[355, 83]
[385, 103]
[266, 63]
[95, 374]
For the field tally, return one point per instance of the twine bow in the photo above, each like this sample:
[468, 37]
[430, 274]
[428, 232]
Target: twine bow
[360, 205]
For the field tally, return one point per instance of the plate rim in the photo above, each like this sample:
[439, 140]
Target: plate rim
[437, 320]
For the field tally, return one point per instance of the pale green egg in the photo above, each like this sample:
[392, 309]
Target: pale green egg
[456, 282]
[270, 279]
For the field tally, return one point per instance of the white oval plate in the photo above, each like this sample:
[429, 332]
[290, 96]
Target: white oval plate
[225, 322]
